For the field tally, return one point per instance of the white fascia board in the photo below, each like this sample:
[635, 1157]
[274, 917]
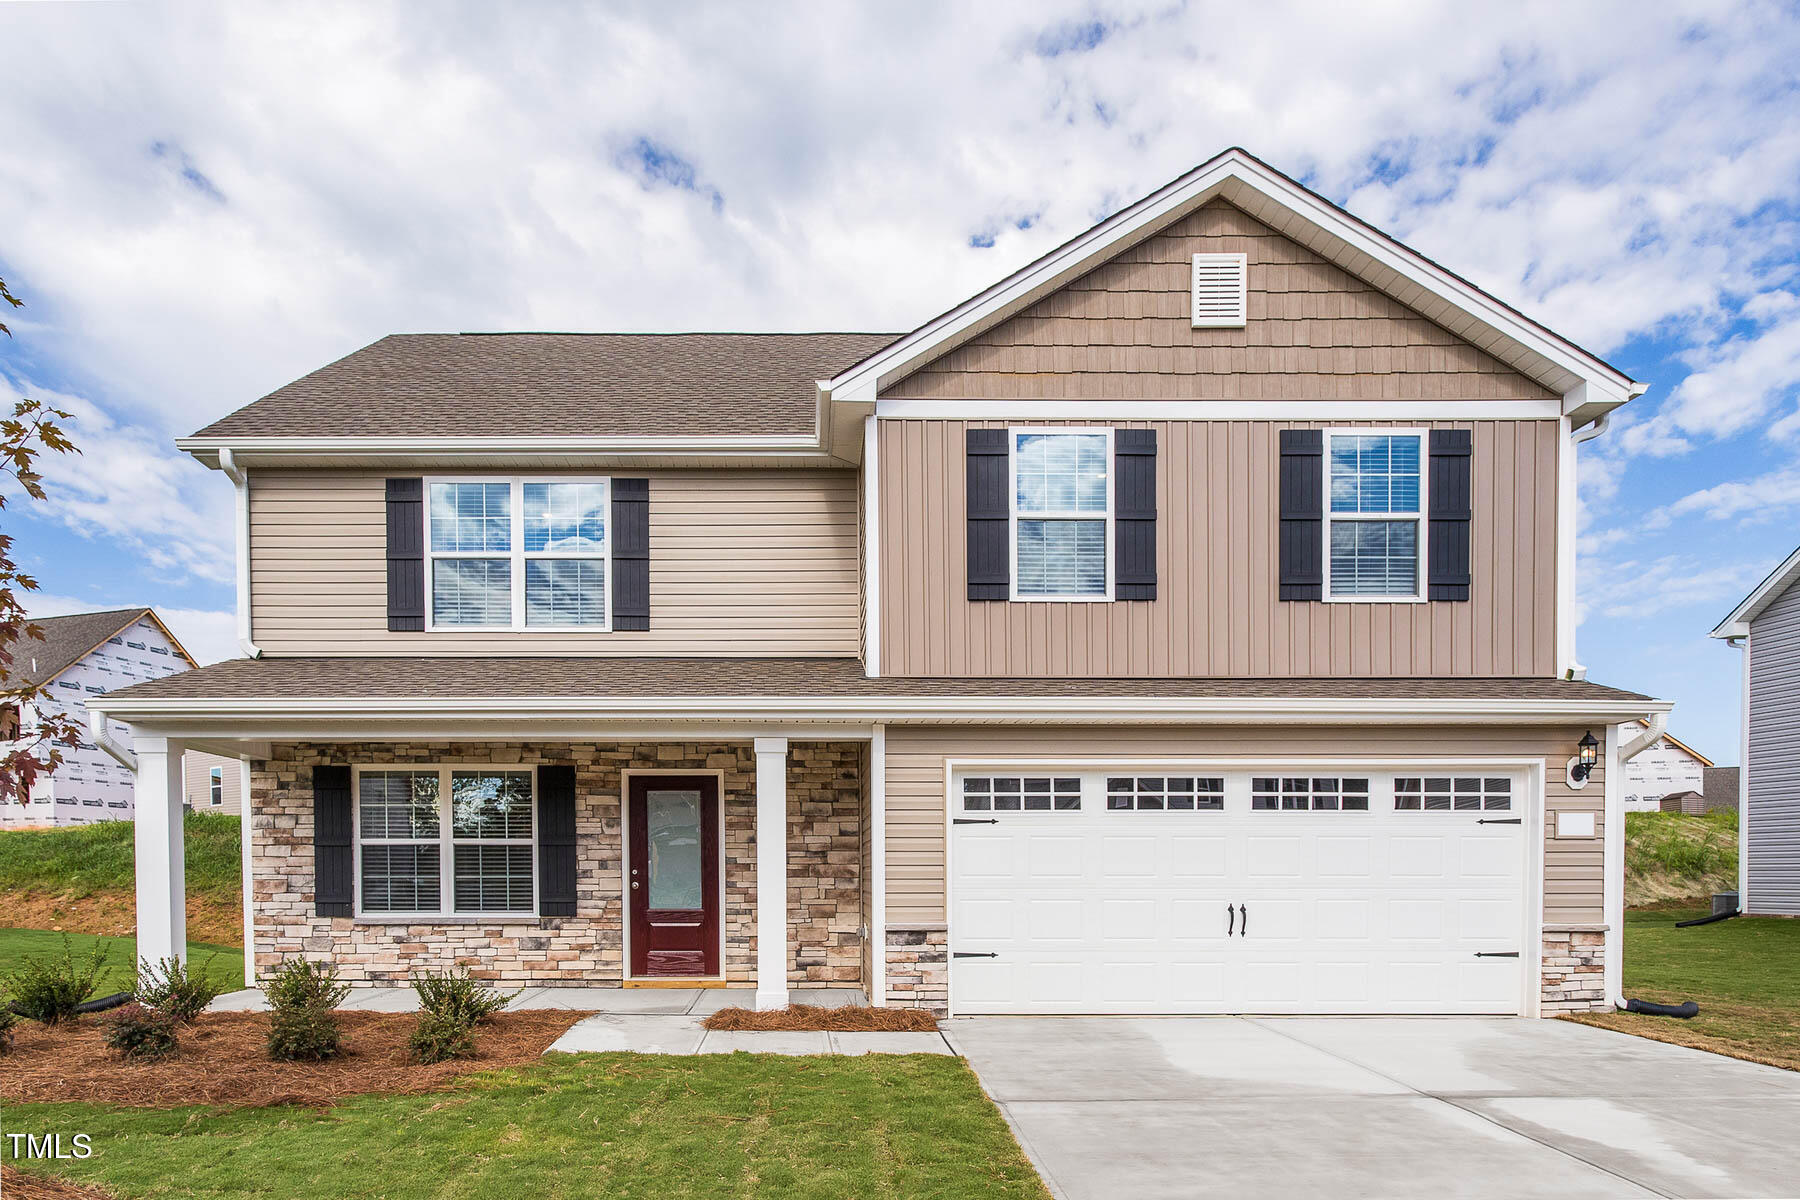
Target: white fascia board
[828, 711]
[274, 450]
[1765, 594]
[1231, 170]
[1221, 410]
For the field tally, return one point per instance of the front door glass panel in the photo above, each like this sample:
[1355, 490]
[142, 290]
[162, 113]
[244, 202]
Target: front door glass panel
[673, 817]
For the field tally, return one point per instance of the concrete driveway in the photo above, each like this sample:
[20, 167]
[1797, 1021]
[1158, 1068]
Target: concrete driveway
[1389, 1107]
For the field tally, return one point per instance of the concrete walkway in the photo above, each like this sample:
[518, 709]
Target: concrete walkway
[1391, 1107]
[651, 1020]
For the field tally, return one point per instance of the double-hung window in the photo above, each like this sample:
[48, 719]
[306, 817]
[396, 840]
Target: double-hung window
[1062, 509]
[417, 825]
[519, 553]
[1374, 515]
[215, 787]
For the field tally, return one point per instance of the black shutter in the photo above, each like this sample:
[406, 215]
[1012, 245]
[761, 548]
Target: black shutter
[1134, 514]
[556, 840]
[406, 555]
[990, 569]
[334, 869]
[1302, 485]
[1448, 528]
[631, 553]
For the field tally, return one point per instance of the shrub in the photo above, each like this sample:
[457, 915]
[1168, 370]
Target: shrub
[138, 1032]
[48, 989]
[7, 1021]
[301, 996]
[170, 986]
[297, 983]
[440, 1036]
[457, 994]
[304, 1035]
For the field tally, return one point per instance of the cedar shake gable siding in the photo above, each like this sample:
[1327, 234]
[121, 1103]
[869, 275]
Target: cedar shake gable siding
[1123, 332]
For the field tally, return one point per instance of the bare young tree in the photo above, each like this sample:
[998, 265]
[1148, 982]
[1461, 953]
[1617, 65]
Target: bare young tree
[28, 747]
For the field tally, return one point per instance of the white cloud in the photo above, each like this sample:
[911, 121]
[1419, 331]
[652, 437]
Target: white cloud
[207, 635]
[1766, 497]
[1636, 590]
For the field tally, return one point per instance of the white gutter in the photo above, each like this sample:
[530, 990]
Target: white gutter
[240, 479]
[1659, 725]
[1567, 519]
[103, 738]
[1656, 724]
[1589, 432]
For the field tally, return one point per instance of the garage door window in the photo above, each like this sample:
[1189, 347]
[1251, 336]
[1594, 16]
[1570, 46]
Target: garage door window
[1460, 793]
[1270, 793]
[1022, 793]
[1156, 793]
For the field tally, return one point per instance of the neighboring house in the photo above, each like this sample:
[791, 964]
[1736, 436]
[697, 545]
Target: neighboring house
[1720, 788]
[84, 655]
[1183, 624]
[1766, 627]
[1668, 766]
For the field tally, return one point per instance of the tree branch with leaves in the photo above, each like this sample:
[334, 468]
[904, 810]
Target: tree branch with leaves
[38, 730]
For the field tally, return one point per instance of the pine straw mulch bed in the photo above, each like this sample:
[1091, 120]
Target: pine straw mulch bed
[849, 1019]
[18, 1185]
[223, 1062]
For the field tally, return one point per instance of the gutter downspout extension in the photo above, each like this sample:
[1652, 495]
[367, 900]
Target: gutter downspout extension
[240, 479]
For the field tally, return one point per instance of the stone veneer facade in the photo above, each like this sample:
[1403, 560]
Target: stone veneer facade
[1574, 978]
[918, 967]
[825, 869]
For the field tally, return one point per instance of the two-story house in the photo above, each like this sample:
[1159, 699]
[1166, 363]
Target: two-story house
[81, 657]
[1183, 624]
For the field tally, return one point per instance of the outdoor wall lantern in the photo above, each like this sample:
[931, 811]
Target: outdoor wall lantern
[1583, 765]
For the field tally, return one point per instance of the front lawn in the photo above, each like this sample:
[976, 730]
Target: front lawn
[615, 1125]
[1744, 973]
[225, 964]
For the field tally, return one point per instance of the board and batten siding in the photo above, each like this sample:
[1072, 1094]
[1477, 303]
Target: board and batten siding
[1773, 817]
[746, 562]
[917, 755]
[1124, 331]
[1217, 611]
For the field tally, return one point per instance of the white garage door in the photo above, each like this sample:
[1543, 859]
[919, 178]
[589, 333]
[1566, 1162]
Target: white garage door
[1277, 890]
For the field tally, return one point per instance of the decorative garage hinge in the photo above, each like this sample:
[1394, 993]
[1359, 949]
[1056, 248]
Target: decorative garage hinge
[1496, 954]
[1501, 821]
[974, 820]
[971, 954]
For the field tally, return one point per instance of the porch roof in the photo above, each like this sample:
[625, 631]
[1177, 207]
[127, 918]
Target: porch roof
[821, 689]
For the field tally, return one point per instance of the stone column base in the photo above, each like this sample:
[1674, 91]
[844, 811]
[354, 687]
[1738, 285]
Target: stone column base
[918, 967]
[1574, 978]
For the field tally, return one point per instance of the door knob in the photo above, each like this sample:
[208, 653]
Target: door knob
[634, 885]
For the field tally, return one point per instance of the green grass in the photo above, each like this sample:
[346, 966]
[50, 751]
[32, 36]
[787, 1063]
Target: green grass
[1672, 855]
[1744, 973]
[614, 1125]
[119, 974]
[85, 859]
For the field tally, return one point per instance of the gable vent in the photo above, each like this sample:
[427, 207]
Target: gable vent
[1219, 291]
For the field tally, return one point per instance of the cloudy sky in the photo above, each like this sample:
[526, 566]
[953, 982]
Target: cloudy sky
[202, 203]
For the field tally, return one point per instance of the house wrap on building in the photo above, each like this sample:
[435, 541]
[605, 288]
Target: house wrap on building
[1183, 624]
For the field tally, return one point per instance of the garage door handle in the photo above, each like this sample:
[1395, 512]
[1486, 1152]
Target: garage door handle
[1230, 919]
[1496, 954]
[1501, 821]
[1244, 920]
[974, 820]
[972, 954]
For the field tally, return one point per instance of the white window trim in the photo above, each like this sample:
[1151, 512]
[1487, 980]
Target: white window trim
[215, 787]
[1424, 540]
[447, 843]
[1013, 514]
[517, 555]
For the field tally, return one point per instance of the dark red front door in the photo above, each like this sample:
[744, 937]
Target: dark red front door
[672, 875]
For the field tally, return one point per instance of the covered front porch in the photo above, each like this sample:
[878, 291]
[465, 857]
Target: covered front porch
[740, 861]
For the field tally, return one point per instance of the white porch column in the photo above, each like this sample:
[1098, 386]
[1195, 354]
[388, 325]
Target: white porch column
[161, 856]
[771, 873]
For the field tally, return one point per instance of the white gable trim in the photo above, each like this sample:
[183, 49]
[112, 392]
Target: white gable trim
[1296, 213]
[1766, 593]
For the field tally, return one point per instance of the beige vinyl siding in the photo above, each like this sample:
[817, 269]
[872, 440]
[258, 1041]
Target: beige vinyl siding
[742, 562]
[916, 758]
[1123, 332]
[1217, 610]
[196, 777]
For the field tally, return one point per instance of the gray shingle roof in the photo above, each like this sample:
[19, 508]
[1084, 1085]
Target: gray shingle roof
[559, 384]
[66, 641]
[462, 678]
